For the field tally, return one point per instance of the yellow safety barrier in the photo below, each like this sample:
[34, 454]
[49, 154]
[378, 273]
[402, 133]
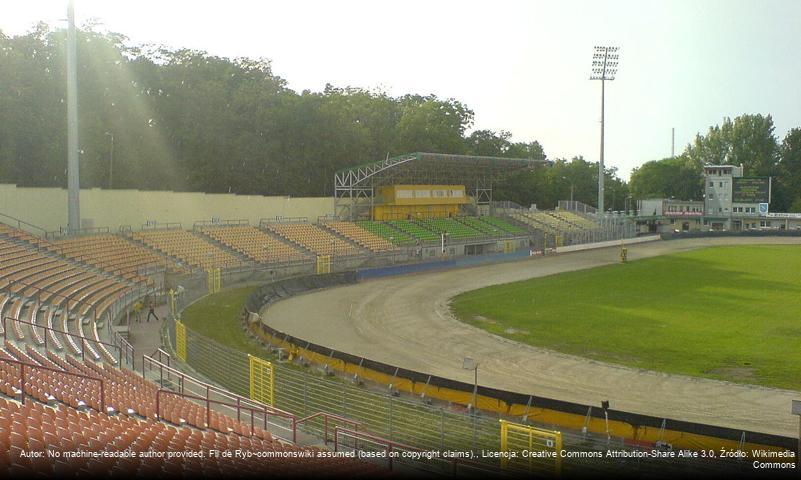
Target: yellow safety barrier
[323, 264]
[532, 449]
[262, 380]
[180, 340]
[214, 280]
[640, 433]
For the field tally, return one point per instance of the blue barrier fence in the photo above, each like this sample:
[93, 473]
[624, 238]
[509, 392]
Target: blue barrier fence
[371, 273]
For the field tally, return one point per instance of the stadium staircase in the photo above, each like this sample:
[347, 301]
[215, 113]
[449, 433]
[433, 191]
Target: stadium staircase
[172, 258]
[245, 259]
[256, 244]
[313, 239]
[388, 232]
[362, 238]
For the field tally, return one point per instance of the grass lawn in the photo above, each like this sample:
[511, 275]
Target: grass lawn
[730, 313]
[217, 317]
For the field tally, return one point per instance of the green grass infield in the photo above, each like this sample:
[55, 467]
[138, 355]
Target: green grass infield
[729, 313]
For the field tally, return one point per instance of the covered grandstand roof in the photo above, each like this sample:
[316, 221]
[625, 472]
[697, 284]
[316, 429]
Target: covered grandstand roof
[432, 168]
[354, 187]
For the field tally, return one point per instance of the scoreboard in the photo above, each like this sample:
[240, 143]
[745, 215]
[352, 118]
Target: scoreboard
[751, 190]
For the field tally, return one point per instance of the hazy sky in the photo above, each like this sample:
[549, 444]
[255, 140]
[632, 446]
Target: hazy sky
[520, 66]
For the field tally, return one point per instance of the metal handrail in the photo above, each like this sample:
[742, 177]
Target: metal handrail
[241, 401]
[209, 402]
[326, 417]
[227, 222]
[23, 222]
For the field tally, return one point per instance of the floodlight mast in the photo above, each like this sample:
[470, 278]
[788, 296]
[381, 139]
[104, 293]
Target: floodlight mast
[73, 176]
[604, 67]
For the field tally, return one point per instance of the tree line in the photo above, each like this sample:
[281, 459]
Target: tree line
[185, 120]
[748, 140]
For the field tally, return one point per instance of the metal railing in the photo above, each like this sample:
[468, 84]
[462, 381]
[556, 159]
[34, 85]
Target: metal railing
[187, 383]
[252, 411]
[327, 418]
[228, 222]
[32, 366]
[280, 219]
[20, 223]
[160, 226]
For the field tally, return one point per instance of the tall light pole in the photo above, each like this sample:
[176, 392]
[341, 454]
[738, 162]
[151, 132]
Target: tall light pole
[73, 175]
[471, 364]
[110, 160]
[604, 67]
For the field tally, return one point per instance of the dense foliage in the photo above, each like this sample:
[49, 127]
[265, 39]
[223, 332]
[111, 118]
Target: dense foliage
[187, 121]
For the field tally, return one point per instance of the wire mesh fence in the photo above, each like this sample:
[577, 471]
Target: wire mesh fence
[410, 420]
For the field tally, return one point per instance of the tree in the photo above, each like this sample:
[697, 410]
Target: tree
[787, 186]
[667, 178]
[546, 185]
[748, 140]
[488, 143]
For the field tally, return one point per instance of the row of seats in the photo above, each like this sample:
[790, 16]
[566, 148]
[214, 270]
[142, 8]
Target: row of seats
[37, 287]
[254, 243]
[414, 230]
[365, 238]
[455, 230]
[190, 249]
[496, 222]
[575, 219]
[313, 238]
[535, 222]
[63, 413]
[386, 231]
[114, 254]
[19, 234]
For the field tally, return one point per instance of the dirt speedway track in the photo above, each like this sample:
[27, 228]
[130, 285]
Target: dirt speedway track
[405, 321]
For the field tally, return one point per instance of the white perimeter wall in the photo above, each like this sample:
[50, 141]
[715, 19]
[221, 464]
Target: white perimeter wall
[47, 207]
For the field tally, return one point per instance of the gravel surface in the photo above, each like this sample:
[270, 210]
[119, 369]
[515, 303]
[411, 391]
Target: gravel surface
[405, 321]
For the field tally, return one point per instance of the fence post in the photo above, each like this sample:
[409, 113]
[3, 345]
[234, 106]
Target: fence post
[208, 409]
[336, 439]
[343, 400]
[22, 382]
[389, 418]
[441, 429]
[305, 396]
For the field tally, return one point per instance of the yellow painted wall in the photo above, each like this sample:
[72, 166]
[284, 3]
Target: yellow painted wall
[402, 212]
[47, 207]
[393, 195]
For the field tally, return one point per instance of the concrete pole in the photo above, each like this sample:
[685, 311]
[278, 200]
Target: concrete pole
[73, 174]
[601, 163]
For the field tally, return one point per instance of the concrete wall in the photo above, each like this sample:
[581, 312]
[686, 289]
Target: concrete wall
[611, 243]
[47, 207]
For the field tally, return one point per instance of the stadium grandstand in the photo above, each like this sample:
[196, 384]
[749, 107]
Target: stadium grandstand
[186, 248]
[256, 244]
[73, 378]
